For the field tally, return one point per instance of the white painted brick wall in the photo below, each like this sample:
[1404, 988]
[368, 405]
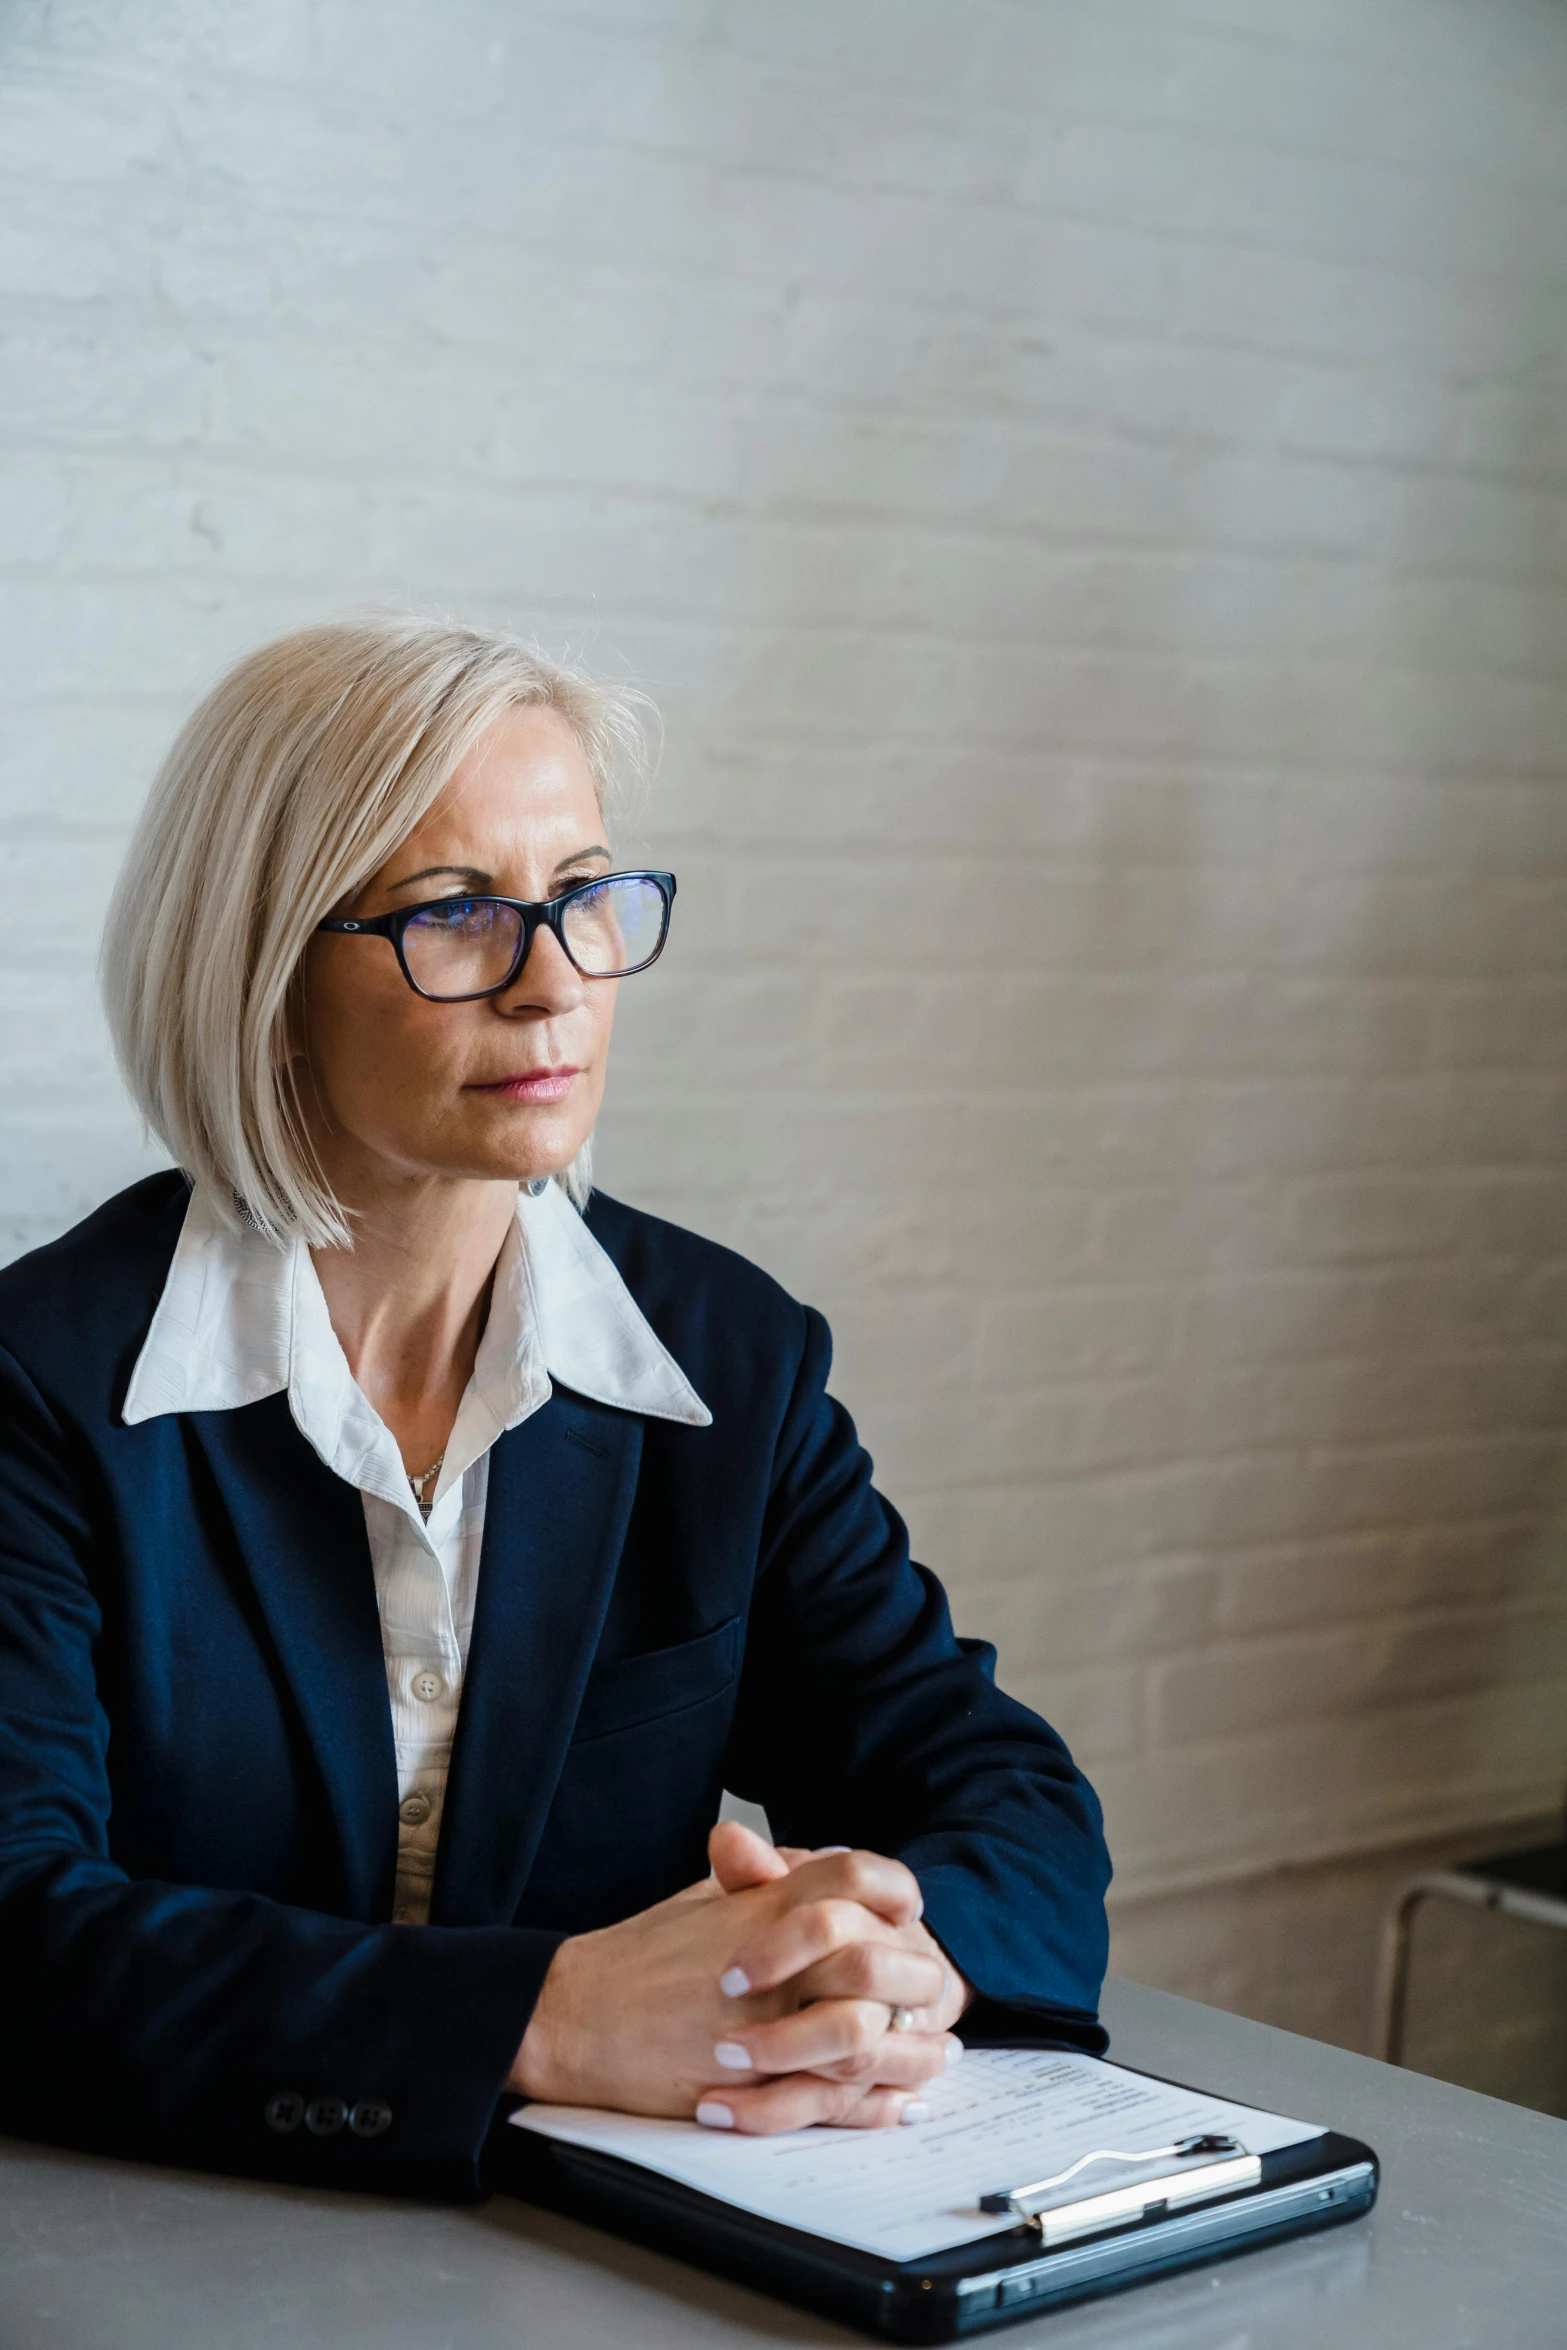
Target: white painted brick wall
[1087, 479]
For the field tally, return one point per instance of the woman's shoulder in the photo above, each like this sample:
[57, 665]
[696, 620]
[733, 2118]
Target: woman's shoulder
[659, 1260]
[708, 1304]
[86, 1295]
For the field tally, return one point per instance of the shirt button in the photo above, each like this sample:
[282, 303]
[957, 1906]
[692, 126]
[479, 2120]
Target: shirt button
[325, 2116]
[427, 1687]
[415, 1811]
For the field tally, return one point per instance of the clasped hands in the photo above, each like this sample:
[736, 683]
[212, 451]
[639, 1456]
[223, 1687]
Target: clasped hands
[789, 1987]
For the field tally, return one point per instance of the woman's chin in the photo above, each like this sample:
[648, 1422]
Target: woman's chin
[515, 1146]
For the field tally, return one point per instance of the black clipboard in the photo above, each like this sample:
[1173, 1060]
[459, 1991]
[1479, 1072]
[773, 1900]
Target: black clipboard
[948, 2296]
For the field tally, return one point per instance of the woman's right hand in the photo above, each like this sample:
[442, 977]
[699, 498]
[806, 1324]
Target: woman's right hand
[632, 2016]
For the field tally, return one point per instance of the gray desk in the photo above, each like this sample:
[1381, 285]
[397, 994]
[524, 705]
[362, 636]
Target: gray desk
[1468, 2245]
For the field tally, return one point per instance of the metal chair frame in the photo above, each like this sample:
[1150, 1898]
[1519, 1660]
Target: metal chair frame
[1475, 1890]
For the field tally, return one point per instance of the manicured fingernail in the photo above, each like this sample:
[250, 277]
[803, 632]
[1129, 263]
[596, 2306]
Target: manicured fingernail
[714, 2117]
[954, 2052]
[915, 2110]
[823, 1851]
[735, 1983]
[732, 2056]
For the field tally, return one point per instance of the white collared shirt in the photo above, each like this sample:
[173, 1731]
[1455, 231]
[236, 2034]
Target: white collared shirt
[239, 1320]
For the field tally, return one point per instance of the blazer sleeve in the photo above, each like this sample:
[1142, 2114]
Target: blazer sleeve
[165, 2020]
[863, 1719]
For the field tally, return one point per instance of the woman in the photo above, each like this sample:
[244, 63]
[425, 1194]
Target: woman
[399, 1550]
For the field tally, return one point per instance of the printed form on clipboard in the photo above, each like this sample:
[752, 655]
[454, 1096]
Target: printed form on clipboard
[1003, 2119]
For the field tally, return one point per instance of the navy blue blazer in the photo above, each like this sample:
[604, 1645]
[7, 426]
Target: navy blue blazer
[198, 1797]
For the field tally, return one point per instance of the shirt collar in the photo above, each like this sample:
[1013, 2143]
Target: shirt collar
[239, 1320]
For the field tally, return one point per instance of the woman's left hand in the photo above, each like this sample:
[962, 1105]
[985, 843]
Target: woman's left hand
[895, 1998]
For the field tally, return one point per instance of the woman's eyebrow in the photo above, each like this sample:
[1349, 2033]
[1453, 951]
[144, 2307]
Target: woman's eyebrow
[471, 873]
[476, 877]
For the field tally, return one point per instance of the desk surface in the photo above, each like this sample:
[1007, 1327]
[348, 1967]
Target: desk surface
[1468, 2245]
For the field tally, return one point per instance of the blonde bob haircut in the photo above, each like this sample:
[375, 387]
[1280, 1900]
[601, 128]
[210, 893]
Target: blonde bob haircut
[291, 784]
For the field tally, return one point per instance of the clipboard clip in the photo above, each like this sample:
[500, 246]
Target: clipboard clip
[1218, 2164]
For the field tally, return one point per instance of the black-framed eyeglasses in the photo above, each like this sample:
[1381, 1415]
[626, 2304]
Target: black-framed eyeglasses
[453, 949]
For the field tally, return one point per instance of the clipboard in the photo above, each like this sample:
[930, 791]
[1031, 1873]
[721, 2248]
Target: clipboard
[971, 2288]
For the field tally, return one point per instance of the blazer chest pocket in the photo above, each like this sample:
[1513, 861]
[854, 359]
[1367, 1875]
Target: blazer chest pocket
[664, 1681]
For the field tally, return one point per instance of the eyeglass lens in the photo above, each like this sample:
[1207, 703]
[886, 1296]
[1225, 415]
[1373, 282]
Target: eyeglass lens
[467, 945]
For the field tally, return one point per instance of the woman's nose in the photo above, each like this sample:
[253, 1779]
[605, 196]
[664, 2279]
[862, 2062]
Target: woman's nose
[549, 980]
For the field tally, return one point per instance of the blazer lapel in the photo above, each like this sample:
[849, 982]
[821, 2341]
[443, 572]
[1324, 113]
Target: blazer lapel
[560, 1493]
[301, 1533]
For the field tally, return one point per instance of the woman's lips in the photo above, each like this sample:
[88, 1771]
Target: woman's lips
[533, 1085]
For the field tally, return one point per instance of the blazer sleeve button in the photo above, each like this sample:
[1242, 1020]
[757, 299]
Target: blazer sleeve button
[285, 2112]
[325, 2116]
[369, 2118]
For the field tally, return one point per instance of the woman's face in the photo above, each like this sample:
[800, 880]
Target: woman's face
[507, 1086]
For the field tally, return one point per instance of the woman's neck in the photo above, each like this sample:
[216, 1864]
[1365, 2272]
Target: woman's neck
[409, 1302]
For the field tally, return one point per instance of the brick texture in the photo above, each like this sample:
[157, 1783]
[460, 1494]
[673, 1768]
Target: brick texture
[1087, 481]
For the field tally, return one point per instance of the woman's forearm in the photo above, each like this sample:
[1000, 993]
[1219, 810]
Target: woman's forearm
[225, 2030]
